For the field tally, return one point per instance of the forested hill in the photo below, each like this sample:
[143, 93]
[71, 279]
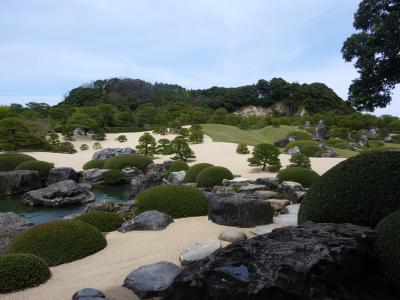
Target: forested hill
[130, 93]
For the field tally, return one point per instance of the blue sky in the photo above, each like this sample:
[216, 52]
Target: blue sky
[48, 47]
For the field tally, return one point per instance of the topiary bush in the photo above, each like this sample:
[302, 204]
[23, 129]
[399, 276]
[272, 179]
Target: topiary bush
[94, 164]
[84, 147]
[114, 177]
[59, 242]
[387, 246]
[242, 149]
[178, 201]
[9, 161]
[104, 221]
[305, 177]
[22, 270]
[42, 167]
[360, 190]
[178, 165]
[211, 176]
[311, 150]
[128, 160]
[193, 171]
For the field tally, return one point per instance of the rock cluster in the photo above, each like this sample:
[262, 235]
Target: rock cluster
[20, 181]
[61, 174]
[108, 153]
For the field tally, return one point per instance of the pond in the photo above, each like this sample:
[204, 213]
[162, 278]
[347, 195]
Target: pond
[37, 215]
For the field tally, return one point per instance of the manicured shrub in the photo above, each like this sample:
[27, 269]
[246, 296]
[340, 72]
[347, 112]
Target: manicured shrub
[360, 190]
[84, 147]
[65, 147]
[305, 177]
[211, 176]
[42, 167]
[59, 242]
[122, 138]
[114, 177]
[178, 165]
[302, 135]
[94, 164]
[128, 160]
[96, 146]
[264, 155]
[193, 171]
[104, 221]
[387, 246]
[178, 201]
[311, 150]
[9, 161]
[242, 149]
[300, 160]
[20, 271]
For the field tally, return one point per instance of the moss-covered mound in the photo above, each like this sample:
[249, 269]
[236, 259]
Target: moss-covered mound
[305, 177]
[361, 190]
[387, 246]
[59, 242]
[112, 177]
[178, 165]
[104, 221]
[20, 271]
[128, 160]
[9, 161]
[312, 150]
[42, 167]
[193, 171]
[94, 164]
[211, 176]
[178, 201]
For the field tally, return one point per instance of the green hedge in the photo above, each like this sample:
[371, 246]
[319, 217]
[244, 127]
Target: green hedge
[114, 177]
[360, 190]
[387, 246]
[94, 164]
[306, 177]
[178, 201]
[59, 242]
[9, 161]
[104, 221]
[128, 160]
[311, 150]
[178, 165]
[20, 271]
[42, 167]
[211, 176]
[194, 170]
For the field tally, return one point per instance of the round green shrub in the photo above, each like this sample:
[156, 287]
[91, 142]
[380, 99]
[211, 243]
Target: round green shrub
[22, 270]
[360, 190]
[59, 242]
[114, 177]
[9, 161]
[311, 150]
[128, 160]
[94, 164]
[194, 170]
[211, 176]
[104, 221]
[387, 246]
[178, 165]
[242, 149]
[178, 201]
[42, 167]
[306, 177]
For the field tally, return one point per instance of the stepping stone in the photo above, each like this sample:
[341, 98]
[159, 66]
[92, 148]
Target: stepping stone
[232, 236]
[89, 294]
[264, 195]
[199, 251]
[278, 204]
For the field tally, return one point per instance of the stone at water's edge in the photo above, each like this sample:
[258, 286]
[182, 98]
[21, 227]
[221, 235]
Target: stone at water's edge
[11, 225]
[198, 251]
[150, 179]
[292, 191]
[94, 176]
[107, 153]
[151, 280]
[20, 181]
[310, 261]
[100, 205]
[148, 220]
[61, 174]
[89, 294]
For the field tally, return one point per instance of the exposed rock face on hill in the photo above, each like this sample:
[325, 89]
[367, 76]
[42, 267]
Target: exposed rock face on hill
[16, 182]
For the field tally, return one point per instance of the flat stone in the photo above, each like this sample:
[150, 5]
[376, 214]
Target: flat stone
[269, 182]
[251, 188]
[232, 236]
[148, 220]
[199, 251]
[278, 204]
[266, 195]
[89, 294]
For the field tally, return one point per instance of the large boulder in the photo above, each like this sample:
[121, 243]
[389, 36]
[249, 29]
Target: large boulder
[20, 181]
[89, 294]
[61, 174]
[11, 225]
[177, 177]
[151, 280]
[93, 176]
[148, 220]
[62, 193]
[107, 153]
[292, 191]
[321, 131]
[163, 168]
[150, 179]
[238, 209]
[311, 261]
[269, 182]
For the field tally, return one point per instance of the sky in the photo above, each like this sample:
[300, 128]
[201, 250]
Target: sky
[48, 47]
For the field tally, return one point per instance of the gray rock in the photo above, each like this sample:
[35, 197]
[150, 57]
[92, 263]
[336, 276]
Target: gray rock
[307, 125]
[87, 186]
[151, 280]
[11, 225]
[238, 209]
[266, 195]
[17, 182]
[353, 147]
[131, 172]
[390, 138]
[364, 141]
[278, 204]
[100, 205]
[150, 179]
[239, 181]
[148, 220]
[61, 174]
[263, 229]
[126, 207]
[93, 176]
[321, 131]
[198, 251]
[162, 169]
[329, 153]
[294, 150]
[292, 191]
[251, 188]
[107, 153]
[62, 193]
[281, 143]
[232, 236]
[177, 177]
[89, 294]
[269, 182]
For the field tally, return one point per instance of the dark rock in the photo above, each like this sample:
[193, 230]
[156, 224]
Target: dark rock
[61, 174]
[292, 191]
[62, 193]
[321, 131]
[11, 225]
[151, 280]
[150, 179]
[125, 208]
[281, 143]
[310, 261]
[107, 153]
[238, 209]
[21, 181]
[93, 176]
[89, 294]
[264, 195]
[269, 182]
[160, 168]
[148, 220]
[329, 153]
[131, 172]
[100, 205]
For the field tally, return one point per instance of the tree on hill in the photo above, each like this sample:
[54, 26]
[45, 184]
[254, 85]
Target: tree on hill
[82, 121]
